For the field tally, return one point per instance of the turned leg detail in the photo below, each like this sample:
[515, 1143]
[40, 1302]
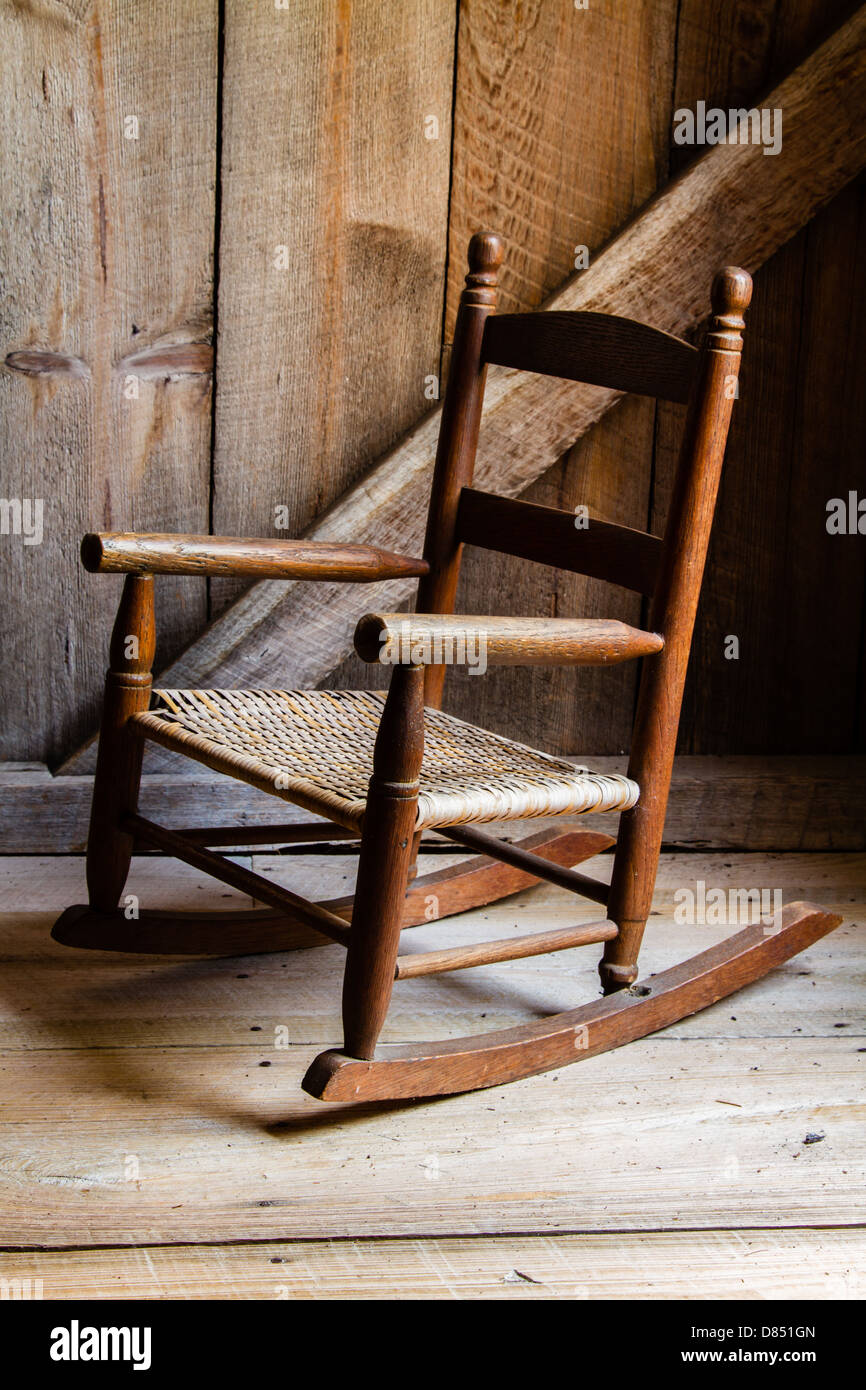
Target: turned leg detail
[385, 861]
[118, 766]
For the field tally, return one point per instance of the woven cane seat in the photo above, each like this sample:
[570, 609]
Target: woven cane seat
[315, 748]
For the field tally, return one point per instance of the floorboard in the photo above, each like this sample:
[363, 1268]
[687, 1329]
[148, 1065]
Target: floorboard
[752, 1264]
[152, 1103]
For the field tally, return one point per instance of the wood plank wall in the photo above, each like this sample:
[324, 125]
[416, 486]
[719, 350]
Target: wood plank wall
[284, 196]
[776, 579]
[322, 356]
[106, 247]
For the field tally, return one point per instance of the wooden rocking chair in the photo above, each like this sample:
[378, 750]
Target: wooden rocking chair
[385, 769]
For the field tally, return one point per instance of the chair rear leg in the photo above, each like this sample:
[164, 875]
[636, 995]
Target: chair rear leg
[385, 862]
[631, 893]
[118, 766]
[672, 613]
[639, 841]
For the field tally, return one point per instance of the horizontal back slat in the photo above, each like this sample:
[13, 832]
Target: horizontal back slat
[599, 349]
[600, 549]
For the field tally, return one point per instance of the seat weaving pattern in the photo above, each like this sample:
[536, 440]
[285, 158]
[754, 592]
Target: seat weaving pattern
[315, 748]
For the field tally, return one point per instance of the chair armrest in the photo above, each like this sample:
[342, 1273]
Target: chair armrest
[133, 553]
[430, 639]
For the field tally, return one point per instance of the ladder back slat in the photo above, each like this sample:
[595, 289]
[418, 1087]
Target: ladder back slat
[549, 536]
[598, 349]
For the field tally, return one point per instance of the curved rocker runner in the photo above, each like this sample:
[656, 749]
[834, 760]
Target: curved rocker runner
[384, 769]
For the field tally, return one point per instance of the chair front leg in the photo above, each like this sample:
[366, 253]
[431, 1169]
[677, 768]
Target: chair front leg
[384, 863]
[118, 766]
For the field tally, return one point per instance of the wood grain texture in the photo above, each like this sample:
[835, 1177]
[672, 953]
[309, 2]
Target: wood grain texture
[674, 1132]
[600, 349]
[139, 553]
[323, 347]
[457, 446]
[300, 989]
[606, 475]
[300, 833]
[257, 1165]
[458, 888]
[491, 1059]
[672, 613]
[551, 536]
[128, 686]
[540, 943]
[728, 56]
[224, 868]
[774, 571]
[385, 862]
[764, 206]
[520, 856]
[107, 246]
[745, 1264]
[389, 638]
[561, 132]
[776, 803]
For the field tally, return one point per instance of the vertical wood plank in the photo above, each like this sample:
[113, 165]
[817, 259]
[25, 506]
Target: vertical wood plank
[774, 574]
[777, 581]
[561, 128]
[324, 345]
[108, 175]
[724, 55]
[825, 574]
[560, 132]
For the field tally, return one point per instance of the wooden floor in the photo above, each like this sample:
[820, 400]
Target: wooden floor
[156, 1142]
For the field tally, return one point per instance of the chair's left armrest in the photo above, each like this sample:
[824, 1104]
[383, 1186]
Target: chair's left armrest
[140, 553]
[432, 639]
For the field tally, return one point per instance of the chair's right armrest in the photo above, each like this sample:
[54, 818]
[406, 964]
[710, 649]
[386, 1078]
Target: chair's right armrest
[129, 552]
[433, 639]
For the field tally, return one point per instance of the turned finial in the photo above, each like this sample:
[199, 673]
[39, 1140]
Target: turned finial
[732, 291]
[485, 253]
[485, 258]
[730, 297]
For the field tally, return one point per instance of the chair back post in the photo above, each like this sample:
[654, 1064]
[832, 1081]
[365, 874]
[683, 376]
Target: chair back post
[458, 440]
[672, 613]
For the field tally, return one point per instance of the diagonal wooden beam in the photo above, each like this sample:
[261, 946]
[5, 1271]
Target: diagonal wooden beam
[735, 204]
